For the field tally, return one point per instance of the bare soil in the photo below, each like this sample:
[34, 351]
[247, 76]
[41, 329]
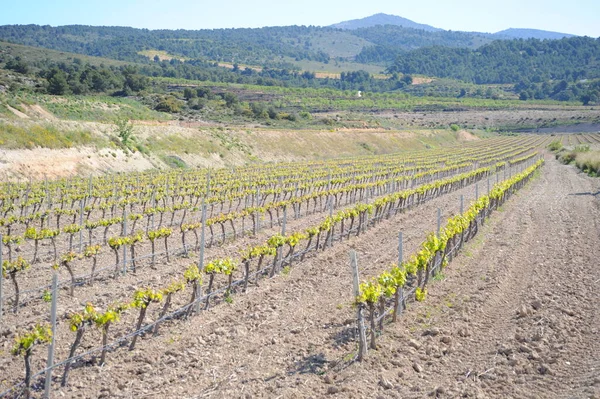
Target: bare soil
[515, 119]
[577, 128]
[202, 146]
[40, 163]
[515, 316]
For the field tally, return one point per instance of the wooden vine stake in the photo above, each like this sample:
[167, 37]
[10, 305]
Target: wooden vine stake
[50, 361]
[362, 336]
[1, 277]
[201, 256]
[399, 303]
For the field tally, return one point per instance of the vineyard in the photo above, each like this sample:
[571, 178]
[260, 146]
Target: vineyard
[95, 268]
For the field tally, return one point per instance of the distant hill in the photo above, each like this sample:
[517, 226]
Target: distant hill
[279, 47]
[509, 61]
[383, 19]
[373, 42]
[515, 33]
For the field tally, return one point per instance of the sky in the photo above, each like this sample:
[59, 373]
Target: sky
[580, 17]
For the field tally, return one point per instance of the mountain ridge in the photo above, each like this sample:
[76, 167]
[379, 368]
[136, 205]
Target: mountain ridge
[389, 19]
[527, 33]
[383, 19]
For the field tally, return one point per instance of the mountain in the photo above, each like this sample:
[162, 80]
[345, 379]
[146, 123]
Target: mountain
[515, 33]
[383, 19]
[278, 47]
[377, 40]
[387, 19]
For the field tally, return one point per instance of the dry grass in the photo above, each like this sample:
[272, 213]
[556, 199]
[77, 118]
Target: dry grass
[589, 162]
[47, 136]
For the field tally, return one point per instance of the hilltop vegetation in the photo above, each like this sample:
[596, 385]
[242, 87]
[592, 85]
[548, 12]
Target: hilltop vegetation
[267, 46]
[557, 69]
[517, 33]
[383, 19]
[508, 61]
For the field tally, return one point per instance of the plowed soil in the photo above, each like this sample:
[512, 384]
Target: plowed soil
[514, 315]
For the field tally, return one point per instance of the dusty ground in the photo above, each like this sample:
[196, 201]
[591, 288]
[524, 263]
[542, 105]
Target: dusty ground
[204, 146]
[40, 163]
[521, 118]
[515, 316]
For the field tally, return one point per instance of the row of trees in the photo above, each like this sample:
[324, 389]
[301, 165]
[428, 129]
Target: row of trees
[587, 93]
[80, 78]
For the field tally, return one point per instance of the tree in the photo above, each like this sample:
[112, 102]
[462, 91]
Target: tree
[18, 65]
[188, 93]
[204, 92]
[125, 132]
[57, 83]
[168, 104]
[133, 80]
[560, 86]
[259, 110]
[272, 113]
[230, 99]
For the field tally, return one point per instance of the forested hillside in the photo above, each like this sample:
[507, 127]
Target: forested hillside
[394, 40]
[71, 74]
[123, 43]
[271, 46]
[538, 68]
[517, 33]
[564, 70]
[508, 61]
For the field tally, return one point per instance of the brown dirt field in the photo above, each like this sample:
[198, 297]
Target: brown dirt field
[463, 135]
[481, 119]
[39, 163]
[208, 151]
[515, 316]
[330, 75]
[39, 112]
[421, 80]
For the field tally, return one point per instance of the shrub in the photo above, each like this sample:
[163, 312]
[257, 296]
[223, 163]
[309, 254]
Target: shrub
[169, 104]
[567, 157]
[556, 145]
[589, 162]
[174, 162]
[143, 149]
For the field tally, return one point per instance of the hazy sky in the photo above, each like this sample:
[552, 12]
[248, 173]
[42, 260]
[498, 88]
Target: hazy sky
[580, 17]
